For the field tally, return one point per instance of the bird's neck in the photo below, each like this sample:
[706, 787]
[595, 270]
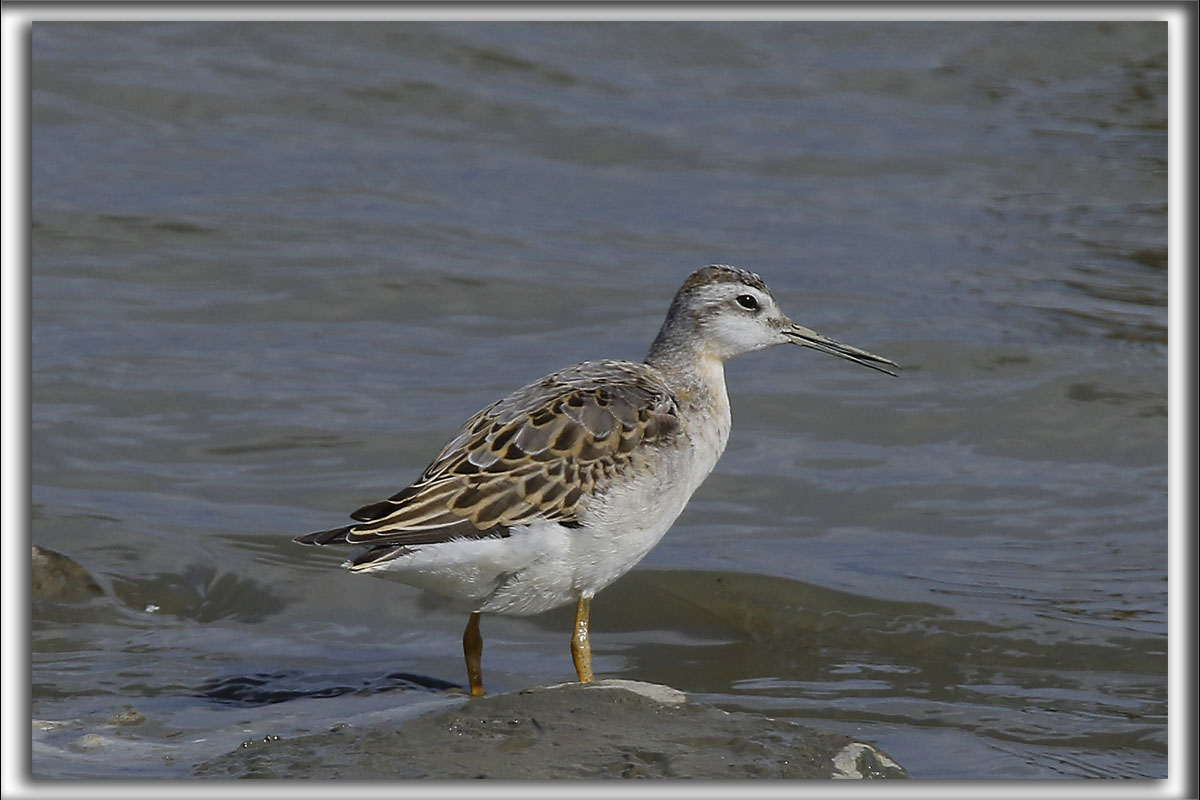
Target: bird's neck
[697, 376]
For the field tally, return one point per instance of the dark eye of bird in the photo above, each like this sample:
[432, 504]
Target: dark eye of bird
[747, 302]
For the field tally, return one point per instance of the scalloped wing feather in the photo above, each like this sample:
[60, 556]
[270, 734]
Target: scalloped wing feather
[533, 455]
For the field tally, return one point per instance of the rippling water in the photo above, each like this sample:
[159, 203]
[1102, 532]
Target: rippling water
[275, 266]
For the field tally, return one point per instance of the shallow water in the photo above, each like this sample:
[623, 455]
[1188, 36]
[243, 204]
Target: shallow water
[275, 266]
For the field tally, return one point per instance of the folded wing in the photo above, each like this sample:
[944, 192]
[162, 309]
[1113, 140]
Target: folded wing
[534, 455]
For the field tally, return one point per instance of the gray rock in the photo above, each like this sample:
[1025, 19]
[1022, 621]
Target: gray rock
[607, 729]
[57, 578]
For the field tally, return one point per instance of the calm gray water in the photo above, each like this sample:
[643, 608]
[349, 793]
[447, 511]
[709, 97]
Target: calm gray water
[275, 266]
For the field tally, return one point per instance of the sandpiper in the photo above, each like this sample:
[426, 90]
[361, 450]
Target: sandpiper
[550, 494]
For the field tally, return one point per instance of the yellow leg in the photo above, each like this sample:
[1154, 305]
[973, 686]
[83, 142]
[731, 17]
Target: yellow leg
[581, 645]
[473, 652]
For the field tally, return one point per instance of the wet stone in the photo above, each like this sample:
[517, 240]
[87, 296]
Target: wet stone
[617, 729]
[57, 578]
[128, 716]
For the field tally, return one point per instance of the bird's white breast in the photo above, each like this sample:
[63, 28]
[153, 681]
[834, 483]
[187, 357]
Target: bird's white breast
[628, 516]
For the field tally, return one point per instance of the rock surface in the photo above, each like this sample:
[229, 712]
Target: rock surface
[57, 578]
[607, 729]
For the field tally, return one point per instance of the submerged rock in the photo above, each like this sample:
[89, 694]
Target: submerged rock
[57, 578]
[607, 729]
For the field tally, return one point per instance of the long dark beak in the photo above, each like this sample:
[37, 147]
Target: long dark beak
[805, 337]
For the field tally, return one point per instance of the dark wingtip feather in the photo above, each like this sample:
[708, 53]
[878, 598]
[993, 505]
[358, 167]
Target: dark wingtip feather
[375, 556]
[373, 511]
[331, 536]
